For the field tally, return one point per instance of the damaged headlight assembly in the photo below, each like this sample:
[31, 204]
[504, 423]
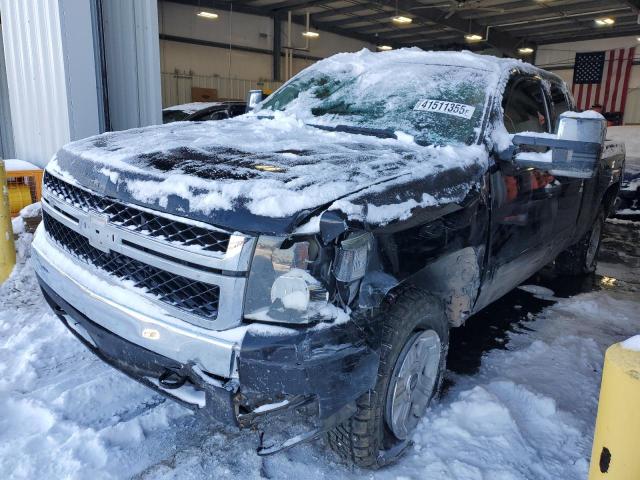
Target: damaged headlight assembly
[291, 281]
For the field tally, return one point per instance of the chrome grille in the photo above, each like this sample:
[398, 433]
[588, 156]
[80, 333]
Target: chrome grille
[188, 295]
[137, 220]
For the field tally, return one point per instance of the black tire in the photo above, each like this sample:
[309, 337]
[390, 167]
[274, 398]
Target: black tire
[582, 258]
[363, 439]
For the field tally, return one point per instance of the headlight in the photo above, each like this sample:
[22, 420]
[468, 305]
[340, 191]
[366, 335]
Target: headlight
[352, 257]
[280, 287]
[296, 290]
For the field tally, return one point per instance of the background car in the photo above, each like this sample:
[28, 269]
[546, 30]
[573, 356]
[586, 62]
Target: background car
[628, 202]
[202, 111]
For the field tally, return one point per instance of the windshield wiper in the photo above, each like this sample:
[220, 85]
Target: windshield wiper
[374, 132]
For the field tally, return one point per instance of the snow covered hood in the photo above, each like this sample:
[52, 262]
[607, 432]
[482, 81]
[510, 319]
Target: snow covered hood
[265, 175]
[270, 174]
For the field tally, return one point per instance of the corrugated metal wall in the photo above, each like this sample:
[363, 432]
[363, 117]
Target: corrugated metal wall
[632, 109]
[35, 77]
[54, 74]
[76, 24]
[6, 132]
[133, 62]
[176, 88]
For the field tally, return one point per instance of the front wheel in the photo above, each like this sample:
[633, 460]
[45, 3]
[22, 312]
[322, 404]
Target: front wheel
[415, 339]
[582, 258]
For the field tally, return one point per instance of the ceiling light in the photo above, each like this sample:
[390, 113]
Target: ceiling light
[605, 21]
[310, 34]
[473, 37]
[402, 20]
[209, 15]
[525, 50]
[384, 48]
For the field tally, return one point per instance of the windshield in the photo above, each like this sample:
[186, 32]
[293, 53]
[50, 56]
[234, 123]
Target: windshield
[436, 104]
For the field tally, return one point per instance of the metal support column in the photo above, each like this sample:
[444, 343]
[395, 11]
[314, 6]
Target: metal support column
[277, 47]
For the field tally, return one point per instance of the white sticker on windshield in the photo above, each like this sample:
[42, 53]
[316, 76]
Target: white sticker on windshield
[449, 108]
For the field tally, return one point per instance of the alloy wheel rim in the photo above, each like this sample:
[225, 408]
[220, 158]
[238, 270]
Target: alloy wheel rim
[413, 382]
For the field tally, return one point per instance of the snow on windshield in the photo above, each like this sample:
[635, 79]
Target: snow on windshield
[436, 98]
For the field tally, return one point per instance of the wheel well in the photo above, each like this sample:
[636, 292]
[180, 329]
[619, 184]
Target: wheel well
[609, 198]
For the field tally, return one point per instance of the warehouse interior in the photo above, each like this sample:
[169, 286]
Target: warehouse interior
[413, 262]
[131, 59]
[236, 46]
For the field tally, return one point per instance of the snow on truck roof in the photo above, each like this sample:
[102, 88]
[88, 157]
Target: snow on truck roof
[192, 107]
[365, 59]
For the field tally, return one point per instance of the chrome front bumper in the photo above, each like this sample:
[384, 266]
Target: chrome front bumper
[134, 317]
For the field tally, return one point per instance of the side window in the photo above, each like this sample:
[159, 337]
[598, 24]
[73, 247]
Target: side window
[218, 115]
[524, 106]
[559, 102]
[236, 110]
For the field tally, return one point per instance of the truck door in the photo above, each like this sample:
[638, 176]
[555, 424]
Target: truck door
[523, 200]
[570, 190]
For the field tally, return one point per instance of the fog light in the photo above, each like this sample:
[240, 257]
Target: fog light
[401, 20]
[151, 333]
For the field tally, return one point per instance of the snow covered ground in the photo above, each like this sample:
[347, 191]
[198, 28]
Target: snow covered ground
[520, 401]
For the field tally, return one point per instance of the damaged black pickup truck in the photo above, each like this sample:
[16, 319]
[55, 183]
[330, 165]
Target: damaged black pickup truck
[312, 255]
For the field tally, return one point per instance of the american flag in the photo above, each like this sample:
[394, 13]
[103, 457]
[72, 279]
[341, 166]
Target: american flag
[603, 78]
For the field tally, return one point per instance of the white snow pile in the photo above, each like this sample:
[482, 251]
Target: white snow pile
[528, 413]
[15, 165]
[538, 291]
[632, 343]
[587, 114]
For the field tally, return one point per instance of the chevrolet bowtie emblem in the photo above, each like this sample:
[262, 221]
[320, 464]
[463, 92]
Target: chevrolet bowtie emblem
[98, 232]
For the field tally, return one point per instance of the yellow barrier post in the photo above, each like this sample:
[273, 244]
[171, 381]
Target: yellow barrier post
[7, 245]
[616, 453]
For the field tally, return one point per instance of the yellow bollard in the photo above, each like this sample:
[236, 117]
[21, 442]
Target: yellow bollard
[7, 245]
[616, 451]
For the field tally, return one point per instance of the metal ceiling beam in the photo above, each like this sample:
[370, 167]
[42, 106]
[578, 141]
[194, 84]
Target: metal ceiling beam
[401, 30]
[561, 27]
[276, 55]
[552, 38]
[518, 7]
[407, 42]
[355, 19]
[296, 4]
[333, 12]
[585, 7]
[225, 5]
[504, 42]
[426, 36]
[417, 32]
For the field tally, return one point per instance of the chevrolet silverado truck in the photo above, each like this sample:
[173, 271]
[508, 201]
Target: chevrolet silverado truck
[311, 256]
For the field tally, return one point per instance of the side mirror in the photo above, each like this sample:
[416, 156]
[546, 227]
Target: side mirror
[254, 97]
[574, 151]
